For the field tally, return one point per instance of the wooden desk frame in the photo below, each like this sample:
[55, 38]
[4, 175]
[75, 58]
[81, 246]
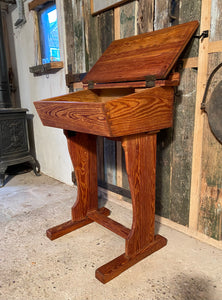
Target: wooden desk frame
[111, 107]
[140, 155]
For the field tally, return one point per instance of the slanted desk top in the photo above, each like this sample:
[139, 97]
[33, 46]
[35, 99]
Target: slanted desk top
[148, 54]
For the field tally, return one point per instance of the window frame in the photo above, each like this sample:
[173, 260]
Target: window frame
[42, 68]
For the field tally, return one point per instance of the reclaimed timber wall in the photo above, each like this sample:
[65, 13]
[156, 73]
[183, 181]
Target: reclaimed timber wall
[88, 36]
[174, 157]
[210, 205]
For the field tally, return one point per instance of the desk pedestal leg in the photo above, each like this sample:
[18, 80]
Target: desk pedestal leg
[82, 150]
[140, 155]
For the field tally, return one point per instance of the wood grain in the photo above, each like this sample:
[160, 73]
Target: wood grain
[82, 150]
[148, 110]
[140, 157]
[109, 223]
[215, 47]
[69, 226]
[199, 119]
[133, 58]
[145, 16]
[120, 264]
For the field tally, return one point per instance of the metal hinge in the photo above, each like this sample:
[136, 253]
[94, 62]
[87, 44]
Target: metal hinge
[203, 35]
[150, 81]
[90, 85]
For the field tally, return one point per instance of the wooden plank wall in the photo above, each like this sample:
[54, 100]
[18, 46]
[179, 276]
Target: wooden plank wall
[210, 205]
[88, 37]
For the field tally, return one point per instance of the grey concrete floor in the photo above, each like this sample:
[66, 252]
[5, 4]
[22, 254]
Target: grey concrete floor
[33, 267]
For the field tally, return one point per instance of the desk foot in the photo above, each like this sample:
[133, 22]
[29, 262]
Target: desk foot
[118, 265]
[62, 229]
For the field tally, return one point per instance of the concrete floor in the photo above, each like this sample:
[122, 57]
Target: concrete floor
[33, 267]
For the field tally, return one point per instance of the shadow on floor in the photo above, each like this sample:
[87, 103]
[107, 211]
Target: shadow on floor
[14, 170]
[192, 287]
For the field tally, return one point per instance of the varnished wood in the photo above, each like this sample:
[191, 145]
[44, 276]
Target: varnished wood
[82, 150]
[145, 111]
[134, 58]
[140, 156]
[149, 110]
[172, 80]
[121, 263]
[109, 223]
[67, 227]
[130, 114]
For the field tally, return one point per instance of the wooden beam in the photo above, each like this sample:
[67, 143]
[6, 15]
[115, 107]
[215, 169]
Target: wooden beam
[199, 117]
[108, 223]
[117, 23]
[191, 62]
[145, 16]
[215, 47]
[35, 4]
[119, 170]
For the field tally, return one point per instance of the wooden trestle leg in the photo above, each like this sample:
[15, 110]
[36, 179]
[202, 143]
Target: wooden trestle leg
[82, 150]
[140, 154]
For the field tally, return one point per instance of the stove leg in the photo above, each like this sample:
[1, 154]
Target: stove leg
[140, 154]
[82, 150]
[2, 175]
[35, 166]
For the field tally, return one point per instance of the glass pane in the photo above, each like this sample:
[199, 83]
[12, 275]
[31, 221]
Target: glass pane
[49, 36]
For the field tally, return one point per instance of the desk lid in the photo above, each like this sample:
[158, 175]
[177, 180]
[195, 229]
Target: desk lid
[138, 57]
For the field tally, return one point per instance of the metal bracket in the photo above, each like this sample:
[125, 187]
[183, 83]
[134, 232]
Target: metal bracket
[150, 81]
[90, 85]
[203, 35]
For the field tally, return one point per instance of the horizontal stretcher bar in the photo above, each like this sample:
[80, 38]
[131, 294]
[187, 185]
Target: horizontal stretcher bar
[108, 223]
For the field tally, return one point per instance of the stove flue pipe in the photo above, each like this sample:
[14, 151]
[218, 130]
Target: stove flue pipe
[5, 99]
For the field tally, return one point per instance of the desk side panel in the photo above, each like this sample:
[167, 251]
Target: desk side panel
[148, 110]
[75, 116]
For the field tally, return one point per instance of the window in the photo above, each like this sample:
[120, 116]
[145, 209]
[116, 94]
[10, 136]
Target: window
[49, 54]
[49, 37]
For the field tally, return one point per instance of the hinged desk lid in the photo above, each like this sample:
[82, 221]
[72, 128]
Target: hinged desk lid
[134, 58]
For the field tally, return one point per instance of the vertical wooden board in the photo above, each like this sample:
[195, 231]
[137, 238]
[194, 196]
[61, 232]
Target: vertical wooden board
[128, 19]
[69, 29]
[125, 183]
[163, 172]
[106, 29]
[79, 40]
[174, 148]
[181, 163]
[100, 158]
[92, 36]
[161, 13]
[216, 20]
[210, 212]
[109, 161]
[145, 16]
[199, 118]
[190, 11]
[183, 128]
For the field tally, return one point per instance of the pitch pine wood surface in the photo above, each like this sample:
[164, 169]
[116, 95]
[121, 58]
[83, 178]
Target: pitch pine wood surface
[134, 58]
